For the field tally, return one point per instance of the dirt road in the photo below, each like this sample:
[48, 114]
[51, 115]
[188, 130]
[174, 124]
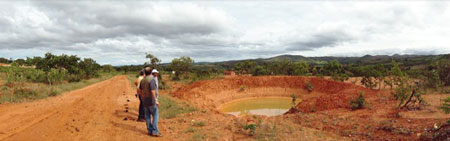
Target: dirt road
[96, 112]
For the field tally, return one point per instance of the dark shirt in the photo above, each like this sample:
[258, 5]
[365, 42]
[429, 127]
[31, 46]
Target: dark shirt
[147, 85]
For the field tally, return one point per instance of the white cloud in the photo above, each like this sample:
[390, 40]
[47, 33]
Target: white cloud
[119, 32]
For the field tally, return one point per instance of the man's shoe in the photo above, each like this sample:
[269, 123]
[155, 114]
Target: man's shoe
[157, 135]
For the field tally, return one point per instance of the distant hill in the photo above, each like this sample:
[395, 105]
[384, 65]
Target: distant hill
[407, 60]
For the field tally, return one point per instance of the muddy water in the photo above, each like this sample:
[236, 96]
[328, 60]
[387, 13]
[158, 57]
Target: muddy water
[269, 106]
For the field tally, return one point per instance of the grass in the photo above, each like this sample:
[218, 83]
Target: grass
[199, 123]
[198, 137]
[25, 91]
[169, 107]
[190, 130]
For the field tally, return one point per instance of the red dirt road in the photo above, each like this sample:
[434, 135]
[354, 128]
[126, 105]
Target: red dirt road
[95, 112]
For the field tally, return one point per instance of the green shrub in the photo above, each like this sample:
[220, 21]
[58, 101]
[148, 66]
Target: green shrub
[243, 87]
[199, 123]
[251, 127]
[358, 103]
[309, 86]
[74, 78]
[446, 105]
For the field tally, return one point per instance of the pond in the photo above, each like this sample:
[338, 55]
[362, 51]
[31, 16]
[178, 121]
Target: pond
[269, 106]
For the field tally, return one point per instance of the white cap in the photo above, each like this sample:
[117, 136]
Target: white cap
[154, 71]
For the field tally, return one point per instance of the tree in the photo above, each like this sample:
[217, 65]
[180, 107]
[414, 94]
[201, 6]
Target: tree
[32, 61]
[286, 67]
[300, 68]
[181, 65]
[244, 67]
[443, 67]
[4, 60]
[19, 62]
[154, 62]
[259, 70]
[108, 68]
[379, 73]
[76, 69]
[336, 71]
[89, 67]
[368, 76]
[275, 67]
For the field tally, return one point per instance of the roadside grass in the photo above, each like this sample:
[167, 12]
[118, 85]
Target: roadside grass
[198, 137]
[199, 123]
[169, 107]
[26, 91]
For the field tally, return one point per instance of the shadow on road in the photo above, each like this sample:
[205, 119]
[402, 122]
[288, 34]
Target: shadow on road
[129, 127]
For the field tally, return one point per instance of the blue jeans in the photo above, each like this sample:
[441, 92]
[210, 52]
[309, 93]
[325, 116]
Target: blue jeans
[152, 125]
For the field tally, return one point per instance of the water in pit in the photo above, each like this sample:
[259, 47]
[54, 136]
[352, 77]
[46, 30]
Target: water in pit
[269, 106]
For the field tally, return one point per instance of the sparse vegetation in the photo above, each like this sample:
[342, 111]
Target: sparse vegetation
[309, 86]
[446, 105]
[251, 128]
[243, 88]
[23, 91]
[358, 103]
[199, 123]
[294, 98]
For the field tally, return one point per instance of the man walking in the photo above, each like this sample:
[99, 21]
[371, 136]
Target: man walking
[149, 87]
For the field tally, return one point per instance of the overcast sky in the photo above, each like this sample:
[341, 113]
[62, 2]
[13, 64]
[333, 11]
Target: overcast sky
[121, 32]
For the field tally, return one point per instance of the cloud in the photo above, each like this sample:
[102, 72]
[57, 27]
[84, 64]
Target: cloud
[120, 33]
[327, 39]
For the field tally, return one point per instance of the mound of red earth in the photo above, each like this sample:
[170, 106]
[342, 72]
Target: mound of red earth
[334, 95]
[327, 94]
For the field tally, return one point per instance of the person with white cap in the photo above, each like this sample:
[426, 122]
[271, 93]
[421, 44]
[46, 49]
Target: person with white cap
[155, 77]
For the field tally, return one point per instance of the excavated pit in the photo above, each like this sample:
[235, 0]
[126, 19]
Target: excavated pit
[326, 95]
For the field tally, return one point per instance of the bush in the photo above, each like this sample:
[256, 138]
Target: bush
[251, 127]
[446, 105]
[243, 87]
[358, 103]
[309, 86]
[74, 78]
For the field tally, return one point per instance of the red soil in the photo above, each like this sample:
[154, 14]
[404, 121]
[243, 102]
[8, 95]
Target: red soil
[326, 95]
[326, 108]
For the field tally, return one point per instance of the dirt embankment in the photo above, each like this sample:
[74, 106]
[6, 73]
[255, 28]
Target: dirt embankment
[326, 95]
